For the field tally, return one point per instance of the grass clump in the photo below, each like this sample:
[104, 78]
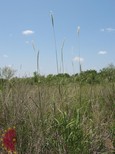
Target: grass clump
[49, 118]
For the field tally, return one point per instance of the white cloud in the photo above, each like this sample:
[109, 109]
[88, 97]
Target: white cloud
[28, 32]
[102, 52]
[5, 56]
[107, 29]
[78, 59]
[110, 29]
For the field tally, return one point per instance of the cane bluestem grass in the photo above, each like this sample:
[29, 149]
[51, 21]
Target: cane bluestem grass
[52, 20]
[78, 32]
[37, 57]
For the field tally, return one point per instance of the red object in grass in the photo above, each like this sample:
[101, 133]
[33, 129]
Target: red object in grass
[9, 140]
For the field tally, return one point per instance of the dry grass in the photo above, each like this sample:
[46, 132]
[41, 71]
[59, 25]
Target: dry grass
[51, 120]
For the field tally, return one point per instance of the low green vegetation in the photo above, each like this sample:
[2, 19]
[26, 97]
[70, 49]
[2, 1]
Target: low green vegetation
[61, 114]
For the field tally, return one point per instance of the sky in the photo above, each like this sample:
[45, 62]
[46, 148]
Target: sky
[84, 31]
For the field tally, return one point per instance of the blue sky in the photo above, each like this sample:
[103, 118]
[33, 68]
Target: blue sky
[25, 21]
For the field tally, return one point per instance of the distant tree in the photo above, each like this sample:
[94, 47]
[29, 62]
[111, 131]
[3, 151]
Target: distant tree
[63, 75]
[7, 72]
[89, 76]
[108, 73]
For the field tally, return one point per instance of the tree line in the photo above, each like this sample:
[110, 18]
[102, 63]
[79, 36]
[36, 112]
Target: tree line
[106, 74]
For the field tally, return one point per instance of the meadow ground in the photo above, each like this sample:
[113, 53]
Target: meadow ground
[59, 118]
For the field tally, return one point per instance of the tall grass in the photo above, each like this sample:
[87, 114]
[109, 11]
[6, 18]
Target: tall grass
[37, 52]
[70, 118]
[78, 32]
[62, 57]
[49, 121]
[55, 43]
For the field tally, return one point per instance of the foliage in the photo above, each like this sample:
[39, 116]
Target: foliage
[108, 73]
[50, 118]
[7, 72]
[59, 115]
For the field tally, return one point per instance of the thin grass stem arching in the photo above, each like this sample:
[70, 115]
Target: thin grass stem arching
[37, 58]
[52, 20]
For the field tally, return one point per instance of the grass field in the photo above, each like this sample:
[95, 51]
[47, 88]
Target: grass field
[59, 118]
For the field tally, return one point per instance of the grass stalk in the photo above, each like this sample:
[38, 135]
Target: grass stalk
[62, 61]
[78, 32]
[80, 70]
[37, 58]
[73, 68]
[52, 20]
[38, 69]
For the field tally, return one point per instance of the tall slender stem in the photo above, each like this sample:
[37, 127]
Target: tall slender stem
[37, 56]
[38, 69]
[52, 19]
[73, 68]
[62, 57]
[78, 31]
[80, 90]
